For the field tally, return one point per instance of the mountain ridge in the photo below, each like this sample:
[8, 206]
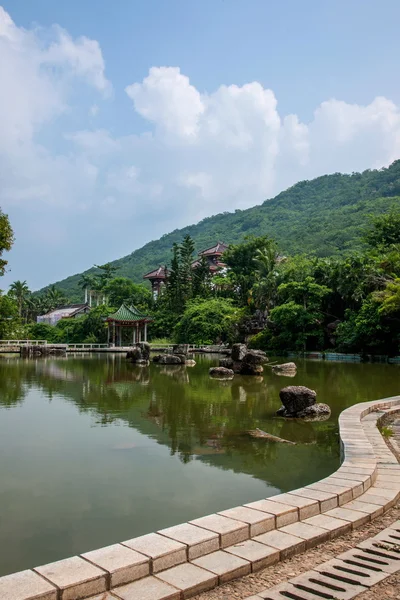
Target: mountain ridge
[324, 216]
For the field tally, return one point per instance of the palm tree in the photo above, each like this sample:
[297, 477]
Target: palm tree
[20, 292]
[88, 282]
[54, 297]
[265, 261]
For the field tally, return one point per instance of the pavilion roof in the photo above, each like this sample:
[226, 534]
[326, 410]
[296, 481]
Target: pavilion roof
[219, 248]
[128, 314]
[156, 274]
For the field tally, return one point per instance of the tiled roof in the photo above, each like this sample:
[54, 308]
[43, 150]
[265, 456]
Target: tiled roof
[128, 313]
[156, 274]
[219, 248]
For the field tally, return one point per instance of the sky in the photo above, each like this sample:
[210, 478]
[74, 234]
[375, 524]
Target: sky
[122, 122]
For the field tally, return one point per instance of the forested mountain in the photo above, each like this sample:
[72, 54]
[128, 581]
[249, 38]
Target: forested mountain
[324, 216]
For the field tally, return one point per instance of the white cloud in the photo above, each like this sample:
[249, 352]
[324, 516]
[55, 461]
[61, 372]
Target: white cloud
[202, 153]
[167, 98]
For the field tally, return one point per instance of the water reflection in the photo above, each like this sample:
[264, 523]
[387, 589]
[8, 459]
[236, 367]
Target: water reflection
[96, 450]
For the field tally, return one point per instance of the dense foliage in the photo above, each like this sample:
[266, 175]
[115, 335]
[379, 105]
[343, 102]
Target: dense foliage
[325, 216]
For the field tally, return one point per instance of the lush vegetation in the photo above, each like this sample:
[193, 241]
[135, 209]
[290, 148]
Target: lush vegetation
[343, 294]
[325, 216]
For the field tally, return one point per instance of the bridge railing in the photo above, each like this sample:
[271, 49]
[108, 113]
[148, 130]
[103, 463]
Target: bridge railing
[22, 342]
[86, 346]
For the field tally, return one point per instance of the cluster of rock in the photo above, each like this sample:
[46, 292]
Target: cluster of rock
[241, 361]
[43, 350]
[301, 402]
[140, 353]
[180, 356]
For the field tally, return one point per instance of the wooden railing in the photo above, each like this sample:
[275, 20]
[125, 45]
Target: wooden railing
[22, 342]
[86, 346]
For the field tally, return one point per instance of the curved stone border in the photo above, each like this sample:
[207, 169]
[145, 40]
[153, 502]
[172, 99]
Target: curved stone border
[181, 561]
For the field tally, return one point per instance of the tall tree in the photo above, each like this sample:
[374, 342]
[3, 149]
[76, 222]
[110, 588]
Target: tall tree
[19, 290]
[6, 239]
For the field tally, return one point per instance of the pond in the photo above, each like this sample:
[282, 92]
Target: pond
[95, 450]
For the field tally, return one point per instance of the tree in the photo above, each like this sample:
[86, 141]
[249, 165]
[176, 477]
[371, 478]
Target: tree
[20, 292]
[107, 273]
[265, 287]
[244, 270]
[54, 298]
[208, 321]
[385, 230]
[122, 290]
[6, 239]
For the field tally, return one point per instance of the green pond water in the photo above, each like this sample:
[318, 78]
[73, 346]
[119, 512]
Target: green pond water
[95, 450]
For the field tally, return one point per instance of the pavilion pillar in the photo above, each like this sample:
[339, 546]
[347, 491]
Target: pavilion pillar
[113, 336]
[145, 332]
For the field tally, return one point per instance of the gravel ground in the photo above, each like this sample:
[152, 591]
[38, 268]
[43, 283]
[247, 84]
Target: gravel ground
[251, 584]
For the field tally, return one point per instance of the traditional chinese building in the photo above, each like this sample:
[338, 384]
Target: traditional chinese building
[127, 326]
[213, 255]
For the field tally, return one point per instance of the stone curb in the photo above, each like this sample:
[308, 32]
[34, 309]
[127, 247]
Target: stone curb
[181, 561]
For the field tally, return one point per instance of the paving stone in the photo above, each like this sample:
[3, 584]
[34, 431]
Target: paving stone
[149, 588]
[327, 500]
[388, 485]
[379, 500]
[355, 517]
[287, 544]
[225, 565]
[284, 514]
[26, 585]
[335, 526]
[253, 598]
[312, 534]
[123, 564]
[359, 574]
[75, 577]
[230, 531]
[259, 522]
[389, 535]
[384, 492]
[189, 578]
[374, 510]
[344, 494]
[356, 488]
[164, 552]
[104, 596]
[199, 541]
[343, 474]
[307, 506]
[259, 555]
[393, 478]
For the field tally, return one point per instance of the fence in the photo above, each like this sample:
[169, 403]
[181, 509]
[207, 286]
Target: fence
[22, 342]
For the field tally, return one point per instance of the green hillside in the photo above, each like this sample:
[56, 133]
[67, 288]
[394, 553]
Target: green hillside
[325, 216]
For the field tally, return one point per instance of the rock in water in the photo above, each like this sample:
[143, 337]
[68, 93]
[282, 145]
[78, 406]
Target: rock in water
[168, 359]
[289, 367]
[221, 372]
[315, 412]
[251, 369]
[296, 398]
[254, 357]
[238, 352]
[226, 362]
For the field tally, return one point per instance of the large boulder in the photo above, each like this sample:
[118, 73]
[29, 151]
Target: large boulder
[221, 372]
[168, 359]
[254, 357]
[296, 398]
[145, 349]
[139, 352]
[251, 369]
[238, 352]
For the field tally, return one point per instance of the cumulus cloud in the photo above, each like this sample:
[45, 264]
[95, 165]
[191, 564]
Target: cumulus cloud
[200, 152]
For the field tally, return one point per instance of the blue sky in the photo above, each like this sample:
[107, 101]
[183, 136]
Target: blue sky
[121, 122]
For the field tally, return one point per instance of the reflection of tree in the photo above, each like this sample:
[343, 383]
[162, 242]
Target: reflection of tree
[206, 419]
[13, 385]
